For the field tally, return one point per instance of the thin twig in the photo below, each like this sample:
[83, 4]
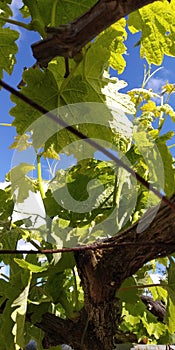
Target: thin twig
[85, 247]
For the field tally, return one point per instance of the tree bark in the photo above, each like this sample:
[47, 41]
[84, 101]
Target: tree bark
[68, 40]
[156, 307]
[102, 272]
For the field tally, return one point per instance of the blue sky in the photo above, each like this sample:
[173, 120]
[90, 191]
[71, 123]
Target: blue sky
[133, 74]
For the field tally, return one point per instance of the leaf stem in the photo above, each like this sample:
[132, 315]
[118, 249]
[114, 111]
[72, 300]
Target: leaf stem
[69, 77]
[5, 124]
[5, 276]
[66, 305]
[40, 181]
[142, 286]
[75, 289]
[171, 146]
[161, 118]
[35, 244]
[150, 76]
[16, 23]
[53, 13]
[115, 190]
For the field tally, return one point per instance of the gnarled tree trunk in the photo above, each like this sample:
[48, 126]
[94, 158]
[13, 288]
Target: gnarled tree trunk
[102, 272]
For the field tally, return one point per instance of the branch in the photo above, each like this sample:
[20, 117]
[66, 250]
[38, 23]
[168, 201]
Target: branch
[17, 23]
[69, 39]
[156, 307]
[60, 331]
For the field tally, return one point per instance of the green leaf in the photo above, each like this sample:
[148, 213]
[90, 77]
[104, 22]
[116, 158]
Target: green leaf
[8, 240]
[93, 69]
[169, 172]
[67, 261]
[153, 328]
[7, 324]
[34, 333]
[5, 10]
[170, 315]
[6, 289]
[51, 205]
[8, 49]
[6, 205]
[72, 186]
[38, 307]
[113, 38]
[64, 12]
[54, 286]
[74, 88]
[75, 91]
[156, 22]
[42, 88]
[21, 184]
[19, 314]
[127, 293]
[21, 143]
[171, 297]
[31, 267]
[25, 11]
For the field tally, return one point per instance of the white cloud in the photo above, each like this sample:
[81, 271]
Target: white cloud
[3, 185]
[32, 207]
[156, 277]
[15, 6]
[156, 84]
[22, 245]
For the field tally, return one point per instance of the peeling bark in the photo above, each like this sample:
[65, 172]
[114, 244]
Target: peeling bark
[69, 39]
[102, 273]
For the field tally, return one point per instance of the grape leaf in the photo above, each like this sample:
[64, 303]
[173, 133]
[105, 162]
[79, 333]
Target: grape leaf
[63, 13]
[8, 240]
[171, 297]
[6, 336]
[8, 49]
[113, 38]
[28, 266]
[155, 329]
[42, 88]
[21, 184]
[19, 314]
[5, 10]
[169, 172]
[157, 25]
[128, 294]
[6, 205]
[94, 68]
